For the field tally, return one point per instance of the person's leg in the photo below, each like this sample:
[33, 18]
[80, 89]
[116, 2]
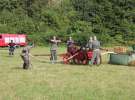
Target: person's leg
[9, 51]
[93, 58]
[52, 56]
[28, 64]
[55, 56]
[24, 65]
[98, 58]
[13, 51]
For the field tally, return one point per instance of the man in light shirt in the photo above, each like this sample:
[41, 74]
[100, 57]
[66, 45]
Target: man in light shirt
[96, 52]
[53, 49]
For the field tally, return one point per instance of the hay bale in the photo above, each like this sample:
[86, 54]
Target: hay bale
[120, 50]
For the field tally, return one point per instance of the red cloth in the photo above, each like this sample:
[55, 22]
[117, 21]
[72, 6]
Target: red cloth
[89, 54]
[80, 55]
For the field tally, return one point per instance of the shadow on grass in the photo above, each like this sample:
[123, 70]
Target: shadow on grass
[17, 68]
[20, 69]
[9, 56]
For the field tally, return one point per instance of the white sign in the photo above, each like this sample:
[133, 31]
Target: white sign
[17, 40]
[12, 38]
[22, 40]
[7, 40]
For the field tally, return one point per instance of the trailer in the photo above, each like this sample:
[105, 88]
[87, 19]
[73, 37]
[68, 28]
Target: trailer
[18, 39]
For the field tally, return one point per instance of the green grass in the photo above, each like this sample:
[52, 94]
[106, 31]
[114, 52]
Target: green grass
[47, 81]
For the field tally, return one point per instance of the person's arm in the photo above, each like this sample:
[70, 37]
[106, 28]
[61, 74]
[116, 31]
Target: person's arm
[52, 40]
[59, 41]
[15, 45]
[8, 44]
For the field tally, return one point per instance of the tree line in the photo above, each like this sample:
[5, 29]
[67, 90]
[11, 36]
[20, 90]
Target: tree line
[112, 21]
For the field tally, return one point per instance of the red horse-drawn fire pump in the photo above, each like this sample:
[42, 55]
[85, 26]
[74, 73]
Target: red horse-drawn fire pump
[77, 55]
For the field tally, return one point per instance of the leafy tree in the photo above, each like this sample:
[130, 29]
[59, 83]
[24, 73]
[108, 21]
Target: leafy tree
[110, 20]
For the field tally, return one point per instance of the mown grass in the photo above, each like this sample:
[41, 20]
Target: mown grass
[47, 81]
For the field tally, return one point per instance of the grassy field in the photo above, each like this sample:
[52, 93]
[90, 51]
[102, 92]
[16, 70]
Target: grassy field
[47, 81]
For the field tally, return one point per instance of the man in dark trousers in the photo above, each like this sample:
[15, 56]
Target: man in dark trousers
[11, 47]
[25, 55]
[53, 49]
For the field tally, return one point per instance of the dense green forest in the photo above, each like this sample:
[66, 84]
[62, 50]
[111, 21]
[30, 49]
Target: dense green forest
[112, 21]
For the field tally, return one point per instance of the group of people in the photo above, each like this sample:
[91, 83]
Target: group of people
[92, 45]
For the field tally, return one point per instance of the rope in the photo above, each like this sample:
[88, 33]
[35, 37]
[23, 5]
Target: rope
[72, 56]
[36, 58]
[59, 61]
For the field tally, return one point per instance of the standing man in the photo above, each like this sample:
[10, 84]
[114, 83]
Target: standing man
[70, 43]
[53, 49]
[11, 46]
[96, 52]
